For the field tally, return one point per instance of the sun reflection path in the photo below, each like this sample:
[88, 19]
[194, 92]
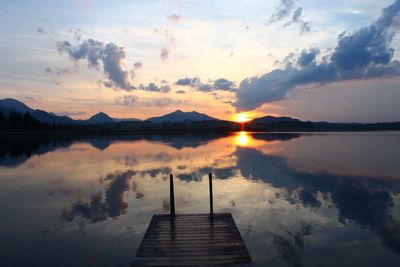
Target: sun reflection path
[242, 139]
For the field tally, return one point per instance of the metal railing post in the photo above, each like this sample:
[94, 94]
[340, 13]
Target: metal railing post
[171, 197]
[211, 195]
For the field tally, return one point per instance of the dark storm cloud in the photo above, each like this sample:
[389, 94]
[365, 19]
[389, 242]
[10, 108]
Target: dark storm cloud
[219, 84]
[282, 11]
[109, 57]
[152, 87]
[365, 54]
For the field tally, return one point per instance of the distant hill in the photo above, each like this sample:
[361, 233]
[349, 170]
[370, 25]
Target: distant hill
[180, 116]
[9, 105]
[272, 119]
[100, 117]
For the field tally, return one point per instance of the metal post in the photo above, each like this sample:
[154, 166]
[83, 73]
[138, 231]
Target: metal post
[171, 196]
[211, 196]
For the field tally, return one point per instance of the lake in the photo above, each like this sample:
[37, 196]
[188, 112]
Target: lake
[299, 199]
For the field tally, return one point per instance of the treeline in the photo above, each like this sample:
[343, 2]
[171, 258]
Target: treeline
[16, 121]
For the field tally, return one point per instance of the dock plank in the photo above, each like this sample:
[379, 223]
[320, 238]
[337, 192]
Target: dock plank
[192, 240]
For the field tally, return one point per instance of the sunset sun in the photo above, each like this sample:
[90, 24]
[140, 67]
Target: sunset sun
[241, 117]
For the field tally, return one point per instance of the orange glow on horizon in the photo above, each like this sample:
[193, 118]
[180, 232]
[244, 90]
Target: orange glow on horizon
[241, 117]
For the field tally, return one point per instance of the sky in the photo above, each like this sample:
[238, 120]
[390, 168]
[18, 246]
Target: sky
[336, 62]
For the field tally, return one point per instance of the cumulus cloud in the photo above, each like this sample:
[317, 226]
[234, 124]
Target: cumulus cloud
[307, 57]
[152, 87]
[127, 100]
[108, 57]
[180, 92]
[364, 54]
[219, 84]
[164, 53]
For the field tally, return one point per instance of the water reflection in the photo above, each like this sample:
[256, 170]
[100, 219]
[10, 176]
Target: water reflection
[291, 205]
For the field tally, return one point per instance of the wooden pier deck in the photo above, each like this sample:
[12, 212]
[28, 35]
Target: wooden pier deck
[192, 240]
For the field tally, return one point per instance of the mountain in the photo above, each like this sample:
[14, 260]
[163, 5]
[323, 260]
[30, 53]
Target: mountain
[46, 117]
[8, 105]
[180, 116]
[272, 119]
[100, 117]
[11, 104]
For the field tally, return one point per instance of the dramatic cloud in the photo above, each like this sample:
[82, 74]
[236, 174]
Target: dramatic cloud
[127, 100]
[297, 19]
[307, 57]
[109, 57]
[164, 53]
[364, 54]
[282, 11]
[219, 84]
[152, 87]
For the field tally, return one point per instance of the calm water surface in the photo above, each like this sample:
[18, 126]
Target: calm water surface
[298, 199]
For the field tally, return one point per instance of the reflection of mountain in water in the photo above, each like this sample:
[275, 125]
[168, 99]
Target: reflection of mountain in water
[15, 151]
[363, 200]
[270, 137]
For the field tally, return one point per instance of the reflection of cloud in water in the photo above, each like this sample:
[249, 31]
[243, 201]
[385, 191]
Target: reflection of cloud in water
[100, 207]
[363, 200]
[291, 245]
[218, 173]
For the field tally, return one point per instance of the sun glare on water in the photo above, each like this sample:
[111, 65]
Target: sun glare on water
[242, 139]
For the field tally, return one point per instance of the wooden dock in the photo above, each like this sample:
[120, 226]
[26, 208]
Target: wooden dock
[192, 239]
